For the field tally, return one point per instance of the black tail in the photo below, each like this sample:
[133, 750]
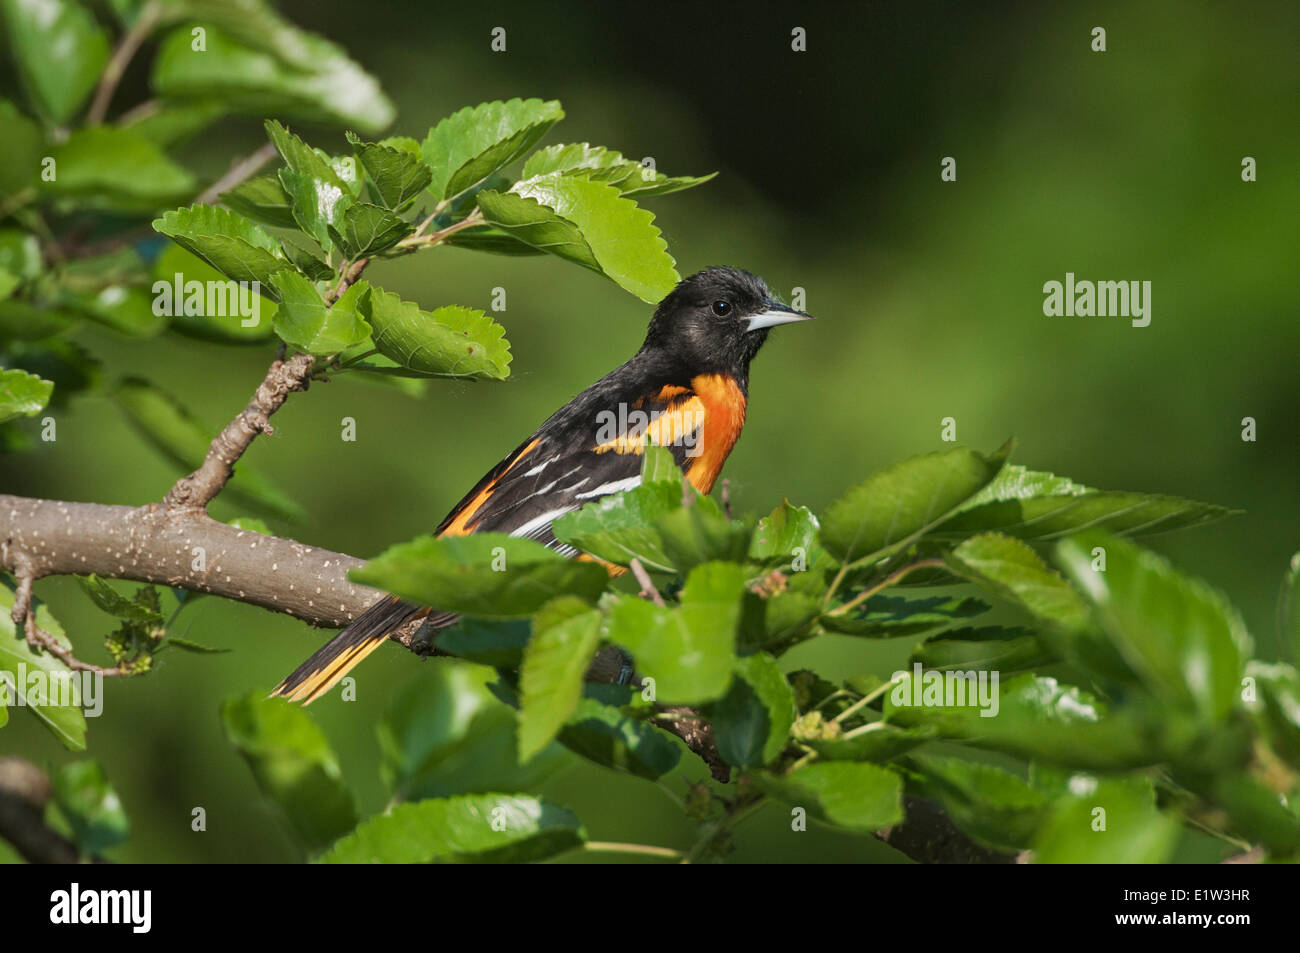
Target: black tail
[314, 677]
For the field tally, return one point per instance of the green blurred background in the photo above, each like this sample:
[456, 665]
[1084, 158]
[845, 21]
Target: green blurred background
[1116, 166]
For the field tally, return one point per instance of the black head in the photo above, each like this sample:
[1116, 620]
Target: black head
[716, 320]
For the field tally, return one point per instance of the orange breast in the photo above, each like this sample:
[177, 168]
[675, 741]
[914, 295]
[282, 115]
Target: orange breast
[724, 416]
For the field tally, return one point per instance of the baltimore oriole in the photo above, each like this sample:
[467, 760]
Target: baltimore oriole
[685, 389]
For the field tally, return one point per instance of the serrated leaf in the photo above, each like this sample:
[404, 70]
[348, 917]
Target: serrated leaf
[22, 394]
[689, 649]
[1029, 504]
[620, 527]
[894, 616]
[612, 168]
[468, 146]
[263, 199]
[588, 223]
[367, 230]
[898, 504]
[116, 604]
[1184, 639]
[1012, 570]
[879, 742]
[65, 722]
[450, 341]
[395, 172]
[784, 531]
[484, 574]
[481, 828]
[197, 648]
[230, 243]
[293, 765]
[566, 633]
[306, 322]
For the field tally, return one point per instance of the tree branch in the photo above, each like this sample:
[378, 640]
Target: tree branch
[24, 792]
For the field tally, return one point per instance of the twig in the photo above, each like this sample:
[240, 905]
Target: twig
[195, 491]
[419, 238]
[116, 68]
[648, 590]
[23, 615]
[646, 849]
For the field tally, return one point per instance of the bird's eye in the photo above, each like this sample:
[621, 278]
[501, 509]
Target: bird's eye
[722, 308]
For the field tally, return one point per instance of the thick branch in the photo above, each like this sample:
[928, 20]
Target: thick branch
[182, 548]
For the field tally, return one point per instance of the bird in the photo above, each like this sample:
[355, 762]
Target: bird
[686, 389]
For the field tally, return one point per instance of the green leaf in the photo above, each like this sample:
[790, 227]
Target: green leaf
[113, 168]
[90, 806]
[396, 174]
[320, 197]
[991, 805]
[701, 533]
[1037, 717]
[620, 527]
[236, 315]
[751, 723]
[482, 828]
[499, 643]
[658, 465]
[20, 160]
[895, 506]
[778, 620]
[603, 734]
[163, 421]
[444, 733]
[894, 616]
[368, 230]
[878, 742]
[1032, 505]
[449, 342]
[590, 224]
[484, 574]
[59, 50]
[229, 242]
[257, 64]
[306, 322]
[58, 683]
[605, 165]
[1116, 822]
[996, 647]
[471, 144]
[1012, 570]
[689, 649]
[116, 604]
[22, 394]
[566, 633]
[785, 531]
[854, 795]
[293, 765]
[263, 199]
[1183, 638]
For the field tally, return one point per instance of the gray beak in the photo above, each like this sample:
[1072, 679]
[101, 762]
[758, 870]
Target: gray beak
[775, 313]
